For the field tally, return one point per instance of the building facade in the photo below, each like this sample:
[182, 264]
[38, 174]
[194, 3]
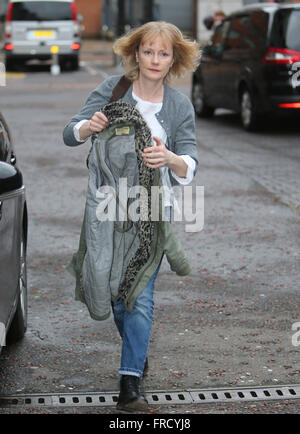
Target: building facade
[136, 12]
[91, 11]
[116, 16]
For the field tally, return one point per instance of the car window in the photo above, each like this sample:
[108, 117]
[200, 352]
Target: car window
[220, 33]
[41, 11]
[285, 31]
[247, 31]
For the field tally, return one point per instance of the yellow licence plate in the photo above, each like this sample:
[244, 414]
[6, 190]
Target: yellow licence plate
[43, 33]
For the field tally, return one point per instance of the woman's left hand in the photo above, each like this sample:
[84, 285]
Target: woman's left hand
[156, 156]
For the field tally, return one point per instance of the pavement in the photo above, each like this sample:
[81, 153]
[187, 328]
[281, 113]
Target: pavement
[98, 50]
[227, 324]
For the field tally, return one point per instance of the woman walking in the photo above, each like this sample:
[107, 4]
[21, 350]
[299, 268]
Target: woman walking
[151, 54]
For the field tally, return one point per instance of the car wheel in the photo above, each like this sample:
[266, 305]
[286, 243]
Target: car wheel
[201, 108]
[18, 325]
[75, 63]
[9, 64]
[69, 63]
[249, 117]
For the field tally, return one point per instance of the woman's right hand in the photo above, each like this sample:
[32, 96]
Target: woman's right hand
[96, 124]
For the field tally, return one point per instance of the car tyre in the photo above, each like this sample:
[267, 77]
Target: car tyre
[69, 63]
[201, 108]
[18, 325]
[9, 64]
[249, 116]
[75, 63]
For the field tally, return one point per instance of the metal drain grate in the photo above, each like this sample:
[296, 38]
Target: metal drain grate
[191, 396]
[161, 397]
[80, 399]
[246, 394]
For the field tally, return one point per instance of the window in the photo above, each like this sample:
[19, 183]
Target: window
[285, 32]
[248, 32]
[220, 34]
[41, 11]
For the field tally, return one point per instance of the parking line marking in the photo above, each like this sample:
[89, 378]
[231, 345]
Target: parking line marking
[15, 75]
[89, 68]
[93, 70]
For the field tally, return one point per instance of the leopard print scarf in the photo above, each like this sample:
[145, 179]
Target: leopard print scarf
[116, 113]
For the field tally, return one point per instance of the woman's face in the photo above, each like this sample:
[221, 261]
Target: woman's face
[155, 58]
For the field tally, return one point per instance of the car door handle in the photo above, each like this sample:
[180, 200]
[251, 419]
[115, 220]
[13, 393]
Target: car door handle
[1, 203]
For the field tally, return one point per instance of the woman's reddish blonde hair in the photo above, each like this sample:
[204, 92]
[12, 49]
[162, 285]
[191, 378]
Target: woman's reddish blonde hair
[186, 53]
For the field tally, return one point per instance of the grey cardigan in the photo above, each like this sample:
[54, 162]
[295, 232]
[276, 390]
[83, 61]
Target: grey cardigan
[177, 117]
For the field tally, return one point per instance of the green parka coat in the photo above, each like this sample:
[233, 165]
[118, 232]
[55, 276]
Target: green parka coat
[117, 257]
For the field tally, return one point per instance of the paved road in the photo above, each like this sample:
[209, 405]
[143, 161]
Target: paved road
[229, 323]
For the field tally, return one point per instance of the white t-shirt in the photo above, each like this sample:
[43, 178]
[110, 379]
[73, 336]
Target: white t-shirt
[148, 110]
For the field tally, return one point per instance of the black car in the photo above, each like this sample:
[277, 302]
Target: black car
[13, 241]
[251, 64]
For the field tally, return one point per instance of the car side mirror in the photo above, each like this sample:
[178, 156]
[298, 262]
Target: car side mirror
[10, 178]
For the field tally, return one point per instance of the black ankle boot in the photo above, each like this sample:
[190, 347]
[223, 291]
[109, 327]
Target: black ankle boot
[130, 398]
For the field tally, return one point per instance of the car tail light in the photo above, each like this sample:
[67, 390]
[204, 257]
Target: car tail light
[8, 47]
[281, 56]
[75, 46]
[8, 17]
[290, 105]
[74, 11]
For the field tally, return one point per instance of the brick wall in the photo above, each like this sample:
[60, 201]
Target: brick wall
[91, 12]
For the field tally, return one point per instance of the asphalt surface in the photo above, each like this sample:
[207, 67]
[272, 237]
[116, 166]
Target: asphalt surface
[227, 324]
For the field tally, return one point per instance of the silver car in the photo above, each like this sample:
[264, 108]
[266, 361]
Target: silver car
[36, 29]
[13, 243]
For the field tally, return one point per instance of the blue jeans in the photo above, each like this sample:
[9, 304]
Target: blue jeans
[135, 328]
